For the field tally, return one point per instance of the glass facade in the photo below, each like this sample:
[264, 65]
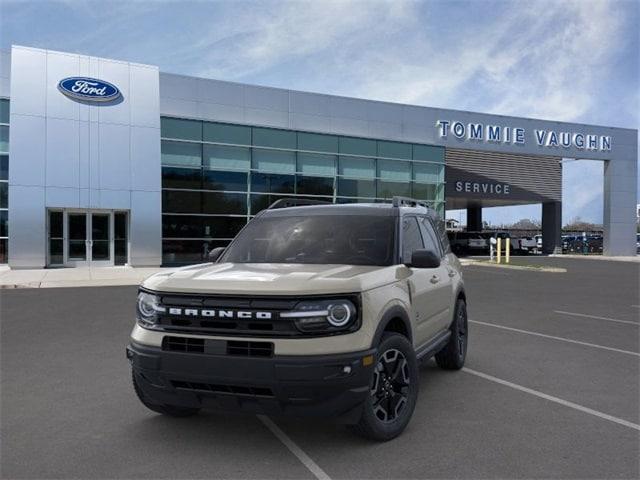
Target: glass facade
[216, 176]
[4, 180]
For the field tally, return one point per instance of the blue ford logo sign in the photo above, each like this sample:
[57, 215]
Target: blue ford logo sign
[89, 89]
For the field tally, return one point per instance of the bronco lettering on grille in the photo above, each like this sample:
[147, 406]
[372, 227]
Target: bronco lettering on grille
[239, 314]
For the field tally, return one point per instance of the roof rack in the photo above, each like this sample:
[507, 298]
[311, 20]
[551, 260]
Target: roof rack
[295, 202]
[408, 202]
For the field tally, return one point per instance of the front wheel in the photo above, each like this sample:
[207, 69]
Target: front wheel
[393, 391]
[454, 353]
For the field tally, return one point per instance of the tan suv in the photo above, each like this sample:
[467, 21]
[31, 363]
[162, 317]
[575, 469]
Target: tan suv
[311, 310]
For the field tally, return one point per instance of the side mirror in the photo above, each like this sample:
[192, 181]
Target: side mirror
[424, 259]
[215, 253]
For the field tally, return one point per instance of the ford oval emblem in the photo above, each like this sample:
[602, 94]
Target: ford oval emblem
[89, 89]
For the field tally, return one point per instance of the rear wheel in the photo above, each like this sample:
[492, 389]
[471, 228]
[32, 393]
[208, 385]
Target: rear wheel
[169, 410]
[454, 353]
[393, 392]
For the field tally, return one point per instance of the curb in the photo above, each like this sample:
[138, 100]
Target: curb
[476, 263]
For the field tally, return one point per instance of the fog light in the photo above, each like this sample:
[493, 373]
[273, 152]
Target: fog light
[368, 360]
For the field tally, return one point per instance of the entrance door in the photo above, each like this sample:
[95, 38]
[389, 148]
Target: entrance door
[100, 240]
[83, 238]
[77, 240]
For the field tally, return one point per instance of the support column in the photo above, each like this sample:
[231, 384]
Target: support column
[619, 213]
[552, 227]
[474, 219]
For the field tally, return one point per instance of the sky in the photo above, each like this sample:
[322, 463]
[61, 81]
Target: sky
[574, 61]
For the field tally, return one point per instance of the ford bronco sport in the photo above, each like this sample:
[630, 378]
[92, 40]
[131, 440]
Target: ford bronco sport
[311, 310]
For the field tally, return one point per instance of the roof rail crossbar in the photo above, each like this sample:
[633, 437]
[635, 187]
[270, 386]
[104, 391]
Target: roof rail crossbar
[408, 202]
[295, 202]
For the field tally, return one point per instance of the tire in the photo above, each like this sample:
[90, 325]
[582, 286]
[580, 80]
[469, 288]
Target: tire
[454, 353]
[169, 410]
[394, 390]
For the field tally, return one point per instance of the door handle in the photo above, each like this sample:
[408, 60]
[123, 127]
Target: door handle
[435, 279]
[452, 273]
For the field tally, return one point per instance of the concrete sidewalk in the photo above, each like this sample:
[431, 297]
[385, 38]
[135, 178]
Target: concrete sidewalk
[74, 277]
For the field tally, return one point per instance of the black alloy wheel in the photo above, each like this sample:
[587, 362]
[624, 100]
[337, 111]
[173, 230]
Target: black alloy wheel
[390, 388]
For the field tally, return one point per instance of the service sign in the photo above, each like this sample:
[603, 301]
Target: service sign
[88, 89]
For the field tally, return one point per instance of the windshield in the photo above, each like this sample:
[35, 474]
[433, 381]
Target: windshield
[330, 239]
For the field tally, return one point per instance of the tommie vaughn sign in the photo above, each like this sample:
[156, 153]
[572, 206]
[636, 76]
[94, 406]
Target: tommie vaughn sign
[88, 89]
[517, 135]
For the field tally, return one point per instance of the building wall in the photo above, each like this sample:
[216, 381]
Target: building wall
[71, 154]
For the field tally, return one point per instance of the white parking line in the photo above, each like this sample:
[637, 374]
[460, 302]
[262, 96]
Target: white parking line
[551, 398]
[562, 339]
[295, 449]
[608, 319]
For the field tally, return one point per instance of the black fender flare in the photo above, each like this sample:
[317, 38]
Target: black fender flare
[396, 311]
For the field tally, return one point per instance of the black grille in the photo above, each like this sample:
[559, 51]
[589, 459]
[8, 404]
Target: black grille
[183, 344]
[217, 347]
[250, 349]
[224, 389]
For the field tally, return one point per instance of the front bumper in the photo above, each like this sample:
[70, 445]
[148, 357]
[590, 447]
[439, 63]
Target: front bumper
[315, 385]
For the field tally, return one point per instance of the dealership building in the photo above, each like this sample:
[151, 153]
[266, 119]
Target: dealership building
[107, 162]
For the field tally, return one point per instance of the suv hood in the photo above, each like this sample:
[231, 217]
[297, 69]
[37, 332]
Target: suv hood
[271, 278]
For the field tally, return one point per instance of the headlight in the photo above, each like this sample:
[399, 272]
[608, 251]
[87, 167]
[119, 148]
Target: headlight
[148, 307]
[324, 316]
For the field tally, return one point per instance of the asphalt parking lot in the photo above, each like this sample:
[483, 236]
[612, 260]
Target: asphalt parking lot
[551, 390]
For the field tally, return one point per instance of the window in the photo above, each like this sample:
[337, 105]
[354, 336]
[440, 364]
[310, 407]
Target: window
[316, 239]
[4, 111]
[173, 177]
[274, 161]
[394, 150]
[181, 252]
[424, 191]
[271, 137]
[226, 158]
[356, 188]
[317, 143]
[4, 195]
[316, 164]
[392, 189]
[428, 172]
[411, 238]
[4, 139]
[4, 223]
[181, 226]
[314, 185]
[358, 146]
[217, 180]
[120, 238]
[395, 171]
[219, 202]
[182, 129]
[217, 175]
[4, 167]
[223, 133]
[272, 183]
[431, 241]
[180, 153]
[175, 201]
[357, 167]
[428, 153]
